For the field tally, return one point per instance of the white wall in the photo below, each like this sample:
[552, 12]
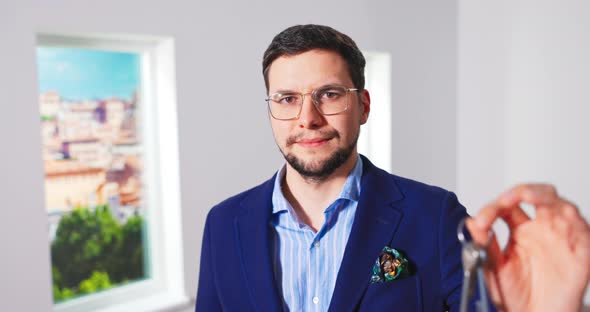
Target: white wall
[549, 97]
[523, 98]
[225, 147]
[522, 114]
[482, 71]
[520, 86]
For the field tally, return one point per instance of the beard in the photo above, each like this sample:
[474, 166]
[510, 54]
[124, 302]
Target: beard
[320, 170]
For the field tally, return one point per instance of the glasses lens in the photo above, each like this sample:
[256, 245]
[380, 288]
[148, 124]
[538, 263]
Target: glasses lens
[331, 100]
[284, 106]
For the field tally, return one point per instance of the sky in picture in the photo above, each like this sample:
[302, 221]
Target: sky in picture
[79, 74]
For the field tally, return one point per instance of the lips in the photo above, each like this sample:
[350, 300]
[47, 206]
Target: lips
[313, 142]
[310, 139]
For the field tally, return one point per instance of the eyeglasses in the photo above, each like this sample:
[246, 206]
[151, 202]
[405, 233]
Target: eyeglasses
[329, 100]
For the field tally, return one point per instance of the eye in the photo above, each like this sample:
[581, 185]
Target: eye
[330, 94]
[285, 99]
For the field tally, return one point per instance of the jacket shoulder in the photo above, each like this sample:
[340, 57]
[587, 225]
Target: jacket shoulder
[407, 187]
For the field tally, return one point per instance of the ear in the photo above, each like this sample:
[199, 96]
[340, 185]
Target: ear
[365, 101]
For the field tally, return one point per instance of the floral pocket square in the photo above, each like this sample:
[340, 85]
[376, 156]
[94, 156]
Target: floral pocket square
[390, 265]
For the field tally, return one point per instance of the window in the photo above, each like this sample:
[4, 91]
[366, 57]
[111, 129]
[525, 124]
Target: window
[108, 123]
[375, 138]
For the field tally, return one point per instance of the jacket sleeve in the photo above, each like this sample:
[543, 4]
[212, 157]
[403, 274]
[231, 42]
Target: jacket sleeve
[450, 251]
[207, 297]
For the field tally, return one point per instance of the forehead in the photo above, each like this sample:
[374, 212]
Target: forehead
[308, 70]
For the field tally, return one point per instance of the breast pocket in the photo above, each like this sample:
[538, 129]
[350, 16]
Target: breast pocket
[398, 295]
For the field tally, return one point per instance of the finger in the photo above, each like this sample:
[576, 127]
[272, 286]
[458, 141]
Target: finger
[569, 210]
[492, 283]
[560, 207]
[580, 240]
[482, 238]
[535, 194]
[510, 212]
[494, 258]
[563, 217]
[582, 245]
[506, 206]
[563, 228]
[581, 251]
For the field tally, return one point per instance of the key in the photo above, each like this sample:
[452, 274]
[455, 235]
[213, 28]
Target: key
[470, 257]
[482, 303]
[473, 257]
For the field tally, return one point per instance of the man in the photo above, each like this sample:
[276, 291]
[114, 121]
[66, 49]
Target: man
[330, 231]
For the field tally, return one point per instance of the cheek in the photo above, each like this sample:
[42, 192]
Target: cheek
[280, 132]
[352, 124]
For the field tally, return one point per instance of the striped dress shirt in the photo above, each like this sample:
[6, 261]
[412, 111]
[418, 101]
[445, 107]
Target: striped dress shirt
[306, 263]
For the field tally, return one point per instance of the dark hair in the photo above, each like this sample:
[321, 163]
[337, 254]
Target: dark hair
[302, 38]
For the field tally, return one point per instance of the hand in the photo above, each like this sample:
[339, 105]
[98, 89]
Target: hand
[546, 263]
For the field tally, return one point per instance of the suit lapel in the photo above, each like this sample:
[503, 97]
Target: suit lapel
[254, 241]
[374, 227]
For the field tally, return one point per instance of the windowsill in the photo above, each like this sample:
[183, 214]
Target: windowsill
[160, 302]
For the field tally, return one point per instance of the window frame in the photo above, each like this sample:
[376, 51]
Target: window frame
[375, 139]
[163, 286]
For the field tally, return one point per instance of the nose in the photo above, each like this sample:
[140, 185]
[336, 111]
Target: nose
[310, 117]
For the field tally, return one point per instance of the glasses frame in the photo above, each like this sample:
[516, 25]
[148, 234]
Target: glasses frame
[315, 103]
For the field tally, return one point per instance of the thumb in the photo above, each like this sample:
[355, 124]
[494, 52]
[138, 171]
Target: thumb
[495, 259]
[481, 236]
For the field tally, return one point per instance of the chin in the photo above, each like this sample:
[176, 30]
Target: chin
[314, 165]
[313, 158]
[318, 167]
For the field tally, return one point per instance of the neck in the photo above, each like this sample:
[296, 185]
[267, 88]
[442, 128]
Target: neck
[310, 197]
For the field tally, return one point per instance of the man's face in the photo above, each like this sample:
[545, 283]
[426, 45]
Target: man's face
[314, 144]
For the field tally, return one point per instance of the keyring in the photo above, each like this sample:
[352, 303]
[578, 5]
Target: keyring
[461, 235]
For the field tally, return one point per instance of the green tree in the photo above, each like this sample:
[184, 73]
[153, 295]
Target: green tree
[61, 294]
[83, 243]
[97, 281]
[128, 261]
[92, 251]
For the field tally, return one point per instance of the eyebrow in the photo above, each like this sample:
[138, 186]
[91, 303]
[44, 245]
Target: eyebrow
[284, 91]
[287, 91]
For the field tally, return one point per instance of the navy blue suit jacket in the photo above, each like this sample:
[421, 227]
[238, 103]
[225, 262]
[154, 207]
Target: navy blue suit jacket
[417, 219]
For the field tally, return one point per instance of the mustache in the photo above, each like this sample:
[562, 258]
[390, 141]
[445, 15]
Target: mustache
[324, 134]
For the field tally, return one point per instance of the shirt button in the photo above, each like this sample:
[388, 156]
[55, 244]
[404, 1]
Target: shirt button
[316, 300]
[316, 244]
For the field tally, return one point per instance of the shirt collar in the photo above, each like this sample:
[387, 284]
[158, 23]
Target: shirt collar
[350, 190]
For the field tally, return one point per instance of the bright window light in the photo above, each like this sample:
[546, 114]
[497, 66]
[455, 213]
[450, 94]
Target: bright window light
[375, 138]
